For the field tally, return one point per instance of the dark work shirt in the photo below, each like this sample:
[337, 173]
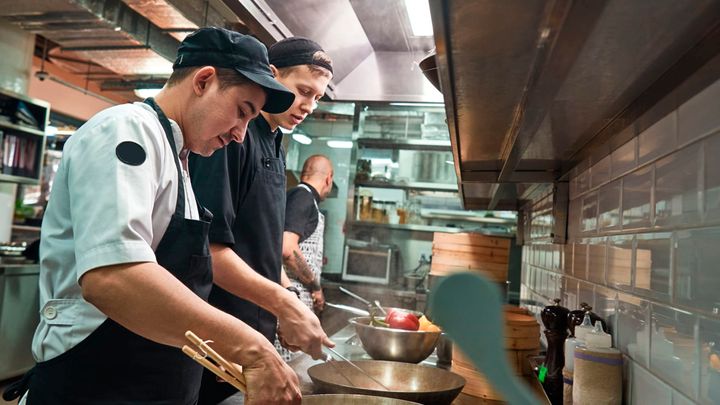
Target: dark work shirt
[301, 214]
[243, 185]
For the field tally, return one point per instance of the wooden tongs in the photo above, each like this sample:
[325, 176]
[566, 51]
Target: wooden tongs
[230, 372]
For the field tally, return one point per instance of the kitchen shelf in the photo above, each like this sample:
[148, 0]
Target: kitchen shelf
[404, 144]
[26, 228]
[18, 179]
[450, 215]
[20, 128]
[418, 186]
[22, 146]
[409, 227]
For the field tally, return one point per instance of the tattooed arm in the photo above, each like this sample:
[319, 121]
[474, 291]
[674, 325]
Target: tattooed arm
[295, 264]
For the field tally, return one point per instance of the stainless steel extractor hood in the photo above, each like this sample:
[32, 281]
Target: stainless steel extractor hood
[534, 86]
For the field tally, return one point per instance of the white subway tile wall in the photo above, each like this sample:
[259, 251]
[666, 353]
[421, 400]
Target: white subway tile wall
[673, 348]
[600, 172]
[709, 346]
[711, 201]
[676, 188]
[652, 265]
[609, 206]
[644, 249]
[658, 140]
[597, 249]
[636, 199]
[700, 115]
[648, 389]
[624, 158]
[679, 399]
[697, 279]
[620, 261]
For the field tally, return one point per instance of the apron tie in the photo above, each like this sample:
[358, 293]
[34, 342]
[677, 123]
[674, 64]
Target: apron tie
[18, 388]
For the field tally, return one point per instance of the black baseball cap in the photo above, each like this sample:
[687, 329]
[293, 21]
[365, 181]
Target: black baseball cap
[223, 48]
[295, 51]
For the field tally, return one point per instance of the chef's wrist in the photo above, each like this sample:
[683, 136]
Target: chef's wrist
[314, 286]
[293, 290]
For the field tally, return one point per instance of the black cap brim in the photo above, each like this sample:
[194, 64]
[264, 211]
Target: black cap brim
[279, 98]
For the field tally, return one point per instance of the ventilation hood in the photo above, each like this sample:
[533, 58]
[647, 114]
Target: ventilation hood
[532, 87]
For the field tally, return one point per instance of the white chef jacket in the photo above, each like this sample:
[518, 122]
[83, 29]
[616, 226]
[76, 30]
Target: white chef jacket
[103, 212]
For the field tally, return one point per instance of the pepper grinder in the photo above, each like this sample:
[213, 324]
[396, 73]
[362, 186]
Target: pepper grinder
[555, 320]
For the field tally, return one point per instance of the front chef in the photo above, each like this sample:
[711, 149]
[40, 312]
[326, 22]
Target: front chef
[125, 263]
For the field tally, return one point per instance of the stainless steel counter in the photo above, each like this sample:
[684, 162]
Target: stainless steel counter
[18, 317]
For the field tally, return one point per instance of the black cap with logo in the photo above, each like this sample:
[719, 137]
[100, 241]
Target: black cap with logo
[223, 48]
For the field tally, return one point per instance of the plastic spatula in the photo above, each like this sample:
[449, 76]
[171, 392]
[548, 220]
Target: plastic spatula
[468, 308]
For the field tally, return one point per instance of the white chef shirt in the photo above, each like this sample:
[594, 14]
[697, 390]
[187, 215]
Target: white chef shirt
[103, 212]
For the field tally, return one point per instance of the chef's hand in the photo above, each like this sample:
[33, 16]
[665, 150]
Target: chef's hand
[283, 342]
[301, 328]
[318, 301]
[270, 381]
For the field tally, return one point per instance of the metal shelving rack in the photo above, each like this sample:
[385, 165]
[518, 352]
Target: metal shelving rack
[33, 151]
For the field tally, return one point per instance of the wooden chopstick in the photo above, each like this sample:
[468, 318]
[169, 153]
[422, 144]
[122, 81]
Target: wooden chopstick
[229, 367]
[224, 369]
[215, 369]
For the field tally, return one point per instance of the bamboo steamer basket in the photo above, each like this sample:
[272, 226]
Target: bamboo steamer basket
[522, 339]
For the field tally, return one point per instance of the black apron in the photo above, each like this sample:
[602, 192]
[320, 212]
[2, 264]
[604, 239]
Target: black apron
[116, 366]
[258, 228]
[258, 231]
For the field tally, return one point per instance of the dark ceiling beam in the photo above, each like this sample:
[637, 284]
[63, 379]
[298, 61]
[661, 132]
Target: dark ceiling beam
[502, 192]
[568, 24]
[130, 85]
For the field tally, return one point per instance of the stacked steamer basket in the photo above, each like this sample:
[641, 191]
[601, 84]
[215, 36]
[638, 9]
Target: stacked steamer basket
[474, 252]
[522, 339]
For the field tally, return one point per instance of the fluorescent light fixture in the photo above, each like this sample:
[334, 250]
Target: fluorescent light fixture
[450, 162]
[145, 93]
[340, 144]
[286, 131]
[302, 138]
[420, 21]
[51, 130]
[439, 105]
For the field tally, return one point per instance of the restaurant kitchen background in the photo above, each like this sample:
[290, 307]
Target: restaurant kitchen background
[585, 135]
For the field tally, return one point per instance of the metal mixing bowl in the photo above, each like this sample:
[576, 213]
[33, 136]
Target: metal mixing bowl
[394, 344]
[350, 399]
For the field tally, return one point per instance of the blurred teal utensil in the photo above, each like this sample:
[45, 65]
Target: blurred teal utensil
[468, 308]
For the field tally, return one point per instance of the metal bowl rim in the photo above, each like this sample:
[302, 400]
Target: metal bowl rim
[355, 321]
[457, 376]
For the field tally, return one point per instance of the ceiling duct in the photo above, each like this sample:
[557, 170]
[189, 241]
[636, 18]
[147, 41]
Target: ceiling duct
[133, 39]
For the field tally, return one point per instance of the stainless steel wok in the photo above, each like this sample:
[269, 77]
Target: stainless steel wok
[409, 382]
[349, 399]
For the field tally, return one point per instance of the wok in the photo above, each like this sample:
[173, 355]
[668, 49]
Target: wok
[334, 399]
[394, 344]
[410, 382]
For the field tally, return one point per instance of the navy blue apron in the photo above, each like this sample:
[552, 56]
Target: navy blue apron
[116, 366]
